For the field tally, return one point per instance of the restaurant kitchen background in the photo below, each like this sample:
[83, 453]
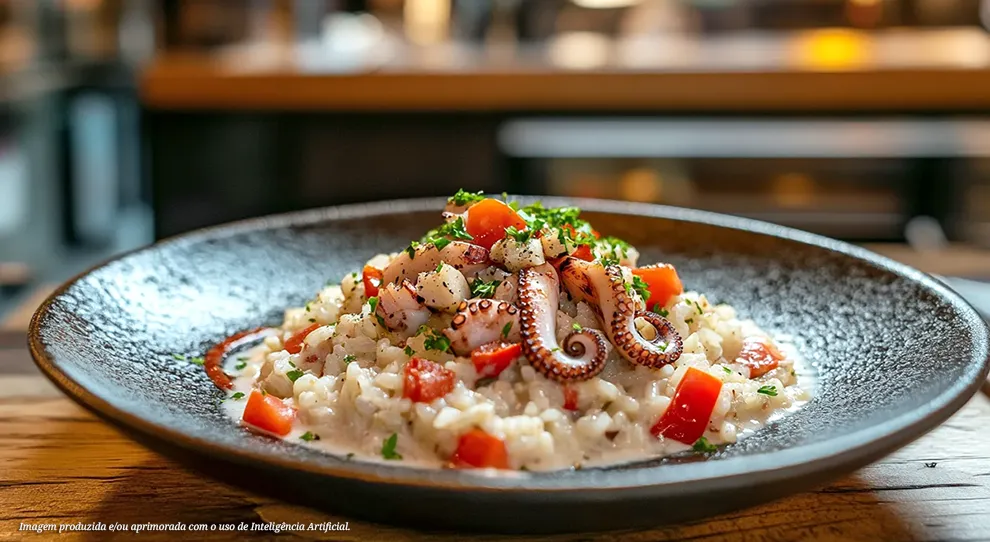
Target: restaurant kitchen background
[126, 121]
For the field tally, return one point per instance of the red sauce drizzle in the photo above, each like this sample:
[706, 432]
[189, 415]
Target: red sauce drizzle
[213, 362]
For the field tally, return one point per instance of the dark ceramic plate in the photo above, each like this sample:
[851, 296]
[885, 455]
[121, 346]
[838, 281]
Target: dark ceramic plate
[896, 353]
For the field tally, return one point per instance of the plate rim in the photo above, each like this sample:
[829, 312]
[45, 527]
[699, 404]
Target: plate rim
[851, 450]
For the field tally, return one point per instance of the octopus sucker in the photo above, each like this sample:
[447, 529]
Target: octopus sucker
[582, 354]
[481, 321]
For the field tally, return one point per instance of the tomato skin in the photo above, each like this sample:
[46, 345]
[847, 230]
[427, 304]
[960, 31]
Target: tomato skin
[491, 359]
[477, 449]
[372, 279]
[424, 381]
[663, 283]
[760, 356]
[570, 398]
[295, 343]
[487, 220]
[686, 419]
[268, 413]
[583, 252]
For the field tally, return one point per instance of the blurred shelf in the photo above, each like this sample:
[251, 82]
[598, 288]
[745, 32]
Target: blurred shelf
[823, 70]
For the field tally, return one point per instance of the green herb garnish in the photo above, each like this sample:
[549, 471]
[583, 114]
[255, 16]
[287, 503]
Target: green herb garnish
[436, 341]
[349, 358]
[641, 287]
[294, 374]
[660, 310]
[520, 236]
[727, 370]
[349, 456]
[480, 288]
[197, 361]
[409, 351]
[439, 267]
[698, 306]
[179, 357]
[704, 447]
[388, 447]
[237, 395]
[309, 436]
[576, 326]
[768, 390]
[312, 320]
[689, 320]
[506, 329]
[240, 365]
[462, 197]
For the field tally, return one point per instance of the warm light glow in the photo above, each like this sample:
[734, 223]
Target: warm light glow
[426, 21]
[641, 184]
[605, 4]
[833, 49]
[579, 50]
[793, 190]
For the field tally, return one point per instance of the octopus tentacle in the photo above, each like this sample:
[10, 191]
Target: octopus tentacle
[619, 316]
[583, 353]
[481, 321]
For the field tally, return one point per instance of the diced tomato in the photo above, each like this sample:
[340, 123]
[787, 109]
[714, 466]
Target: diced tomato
[372, 278]
[760, 356]
[570, 398]
[583, 252]
[268, 413]
[686, 418]
[488, 219]
[663, 283]
[425, 380]
[491, 359]
[295, 343]
[478, 449]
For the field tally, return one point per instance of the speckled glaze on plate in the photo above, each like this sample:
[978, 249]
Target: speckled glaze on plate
[896, 354]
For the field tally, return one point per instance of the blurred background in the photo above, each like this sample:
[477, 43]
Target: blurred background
[125, 121]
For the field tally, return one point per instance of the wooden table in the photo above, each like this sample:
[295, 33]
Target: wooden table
[59, 464]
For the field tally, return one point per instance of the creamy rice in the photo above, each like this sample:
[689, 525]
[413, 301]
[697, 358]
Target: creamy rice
[347, 381]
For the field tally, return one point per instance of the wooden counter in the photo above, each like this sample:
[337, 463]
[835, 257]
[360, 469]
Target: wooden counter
[833, 70]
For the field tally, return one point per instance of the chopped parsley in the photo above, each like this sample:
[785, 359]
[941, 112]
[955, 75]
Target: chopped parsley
[240, 365]
[698, 306]
[727, 370]
[480, 288]
[197, 361]
[506, 329]
[704, 447]
[768, 390]
[660, 310]
[441, 236]
[689, 320]
[373, 303]
[463, 197]
[608, 260]
[434, 340]
[556, 349]
[237, 395]
[309, 307]
[576, 326]
[179, 357]
[641, 287]
[439, 267]
[388, 447]
[349, 358]
[294, 374]
[411, 249]
[312, 320]
[309, 436]
[409, 351]
[520, 236]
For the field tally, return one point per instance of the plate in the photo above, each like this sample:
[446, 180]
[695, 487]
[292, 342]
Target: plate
[894, 353]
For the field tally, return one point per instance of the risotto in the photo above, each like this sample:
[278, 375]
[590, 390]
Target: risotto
[508, 338]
